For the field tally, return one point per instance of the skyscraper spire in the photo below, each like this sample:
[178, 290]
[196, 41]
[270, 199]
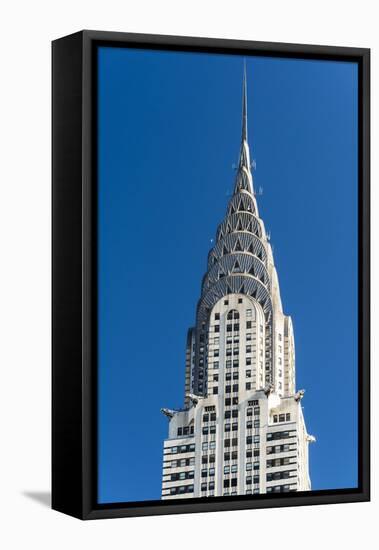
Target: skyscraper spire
[244, 179]
[244, 105]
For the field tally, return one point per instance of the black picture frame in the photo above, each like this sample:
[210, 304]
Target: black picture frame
[74, 272]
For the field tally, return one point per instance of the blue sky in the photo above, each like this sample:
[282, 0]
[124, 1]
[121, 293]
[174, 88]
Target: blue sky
[169, 133]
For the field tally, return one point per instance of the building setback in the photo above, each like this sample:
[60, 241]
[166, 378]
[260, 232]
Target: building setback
[242, 429]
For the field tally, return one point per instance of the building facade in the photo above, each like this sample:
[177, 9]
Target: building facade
[241, 430]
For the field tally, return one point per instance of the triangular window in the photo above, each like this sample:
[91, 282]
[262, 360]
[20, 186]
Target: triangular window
[236, 267]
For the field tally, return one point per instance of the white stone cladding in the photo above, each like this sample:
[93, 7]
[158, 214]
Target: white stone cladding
[242, 429]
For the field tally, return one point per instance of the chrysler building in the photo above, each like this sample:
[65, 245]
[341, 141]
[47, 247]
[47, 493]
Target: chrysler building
[241, 430]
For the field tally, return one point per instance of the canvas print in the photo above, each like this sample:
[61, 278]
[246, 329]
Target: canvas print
[227, 275]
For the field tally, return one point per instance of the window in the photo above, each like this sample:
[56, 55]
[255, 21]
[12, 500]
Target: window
[215, 390]
[204, 446]
[228, 376]
[205, 417]
[226, 483]
[233, 482]
[217, 316]
[227, 414]
[248, 324]
[204, 473]
[248, 313]
[249, 412]
[216, 353]
[226, 456]
[228, 389]
[211, 471]
[217, 328]
[248, 349]
[212, 445]
[180, 431]
[235, 388]
[228, 402]
[288, 417]
[248, 361]
[227, 427]
[204, 459]
[235, 426]
[240, 300]
[235, 413]
[248, 336]
[233, 314]
[212, 459]
[234, 455]
[282, 417]
[249, 466]
[236, 326]
[203, 486]
[235, 401]
[205, 430]
[248, 374]
[228, 364]
[226, 469]
[235, 363]
[256, 439]
[215, 378]
[226, 302]
[248, 385]
[249, 424]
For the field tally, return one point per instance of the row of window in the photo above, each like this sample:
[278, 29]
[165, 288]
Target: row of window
[281, 489]
[205, 459]
[181, 448]
[211, 417]
[233, 313]
[252, 439]
[186, 430]
[280, 475]
[275, 462]
[209, 430]
[182, 462]
[181, 490]
[282, 417]
[280, 435]
[182, 475]
[278, 449]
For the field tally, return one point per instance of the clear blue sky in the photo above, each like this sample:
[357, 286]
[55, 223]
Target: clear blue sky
[169, 133]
